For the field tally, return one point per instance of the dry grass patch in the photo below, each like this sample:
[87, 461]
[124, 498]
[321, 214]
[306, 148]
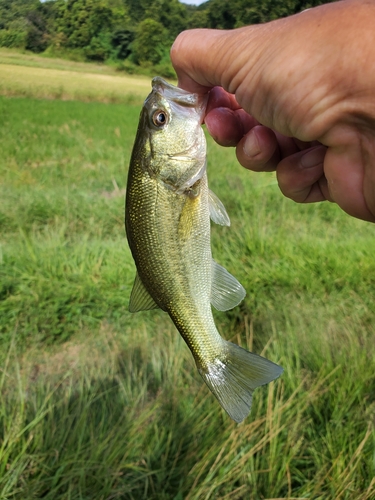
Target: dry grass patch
[88, 356]
[22, 58]
[48, 83]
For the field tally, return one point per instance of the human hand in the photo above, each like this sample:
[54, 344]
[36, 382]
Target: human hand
[308, 80]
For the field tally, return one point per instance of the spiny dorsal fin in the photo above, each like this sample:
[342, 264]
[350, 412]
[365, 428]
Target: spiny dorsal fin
[218, 213]
[140, 299]
[226, 291]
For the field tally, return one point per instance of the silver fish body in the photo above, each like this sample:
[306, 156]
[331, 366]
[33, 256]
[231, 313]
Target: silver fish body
[168, 210]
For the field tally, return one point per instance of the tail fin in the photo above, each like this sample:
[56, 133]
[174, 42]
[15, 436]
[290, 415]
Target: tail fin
[233, 376]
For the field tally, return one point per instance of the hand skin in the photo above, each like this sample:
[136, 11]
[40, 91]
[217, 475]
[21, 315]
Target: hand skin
[296, 95]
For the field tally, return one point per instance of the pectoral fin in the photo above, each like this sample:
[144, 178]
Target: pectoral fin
[218, 213]
[226, 291]
[140, 299]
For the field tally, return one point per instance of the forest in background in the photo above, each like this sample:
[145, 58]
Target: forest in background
[134, 34]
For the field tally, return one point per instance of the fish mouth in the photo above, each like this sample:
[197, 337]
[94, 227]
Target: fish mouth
[180, 96]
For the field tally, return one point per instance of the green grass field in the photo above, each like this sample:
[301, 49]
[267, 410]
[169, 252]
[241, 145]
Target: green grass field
[99, 404]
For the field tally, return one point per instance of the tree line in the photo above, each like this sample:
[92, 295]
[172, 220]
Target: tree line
[134, 32]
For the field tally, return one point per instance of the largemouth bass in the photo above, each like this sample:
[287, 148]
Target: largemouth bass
[168, 211]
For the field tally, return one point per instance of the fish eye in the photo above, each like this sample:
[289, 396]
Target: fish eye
[159, 118]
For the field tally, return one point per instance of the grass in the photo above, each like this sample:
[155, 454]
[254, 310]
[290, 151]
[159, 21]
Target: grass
[97, 403]
[48, 78]
[26, 58]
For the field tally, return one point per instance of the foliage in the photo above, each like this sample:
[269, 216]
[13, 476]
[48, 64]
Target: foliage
[89, 24]
[122, 39]
[12, 38]
[15, 10]
[97, 403]
[171, 14]
[228, 15]
[149, 43]
[21, 24]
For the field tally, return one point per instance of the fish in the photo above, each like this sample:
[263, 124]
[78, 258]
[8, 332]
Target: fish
[168, 210]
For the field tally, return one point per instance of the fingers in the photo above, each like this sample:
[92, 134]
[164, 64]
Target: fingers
[228, 126]
[224, 126]
[226, 122]
[301, 176]
[219, 98]
[343, 175]
[258, 150]
[350, 175]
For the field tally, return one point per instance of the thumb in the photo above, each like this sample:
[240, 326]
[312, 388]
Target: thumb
[205, 58]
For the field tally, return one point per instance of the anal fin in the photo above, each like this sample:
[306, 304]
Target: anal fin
[226, 291]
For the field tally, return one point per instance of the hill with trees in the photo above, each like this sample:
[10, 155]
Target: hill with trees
[134, 33]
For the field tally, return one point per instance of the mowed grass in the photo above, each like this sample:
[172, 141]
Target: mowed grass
[44, 78]
[97, 403]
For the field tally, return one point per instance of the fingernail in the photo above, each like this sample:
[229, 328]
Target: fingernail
[313, 157]
[251, 145]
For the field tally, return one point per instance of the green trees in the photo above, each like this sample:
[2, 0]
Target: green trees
[139, 30]
[150, 42]
[171, 14]
[162, 21]
[89, 25]
[14, 24]
[222, 14]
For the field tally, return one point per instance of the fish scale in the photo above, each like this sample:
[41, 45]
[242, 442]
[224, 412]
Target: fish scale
[167, 216]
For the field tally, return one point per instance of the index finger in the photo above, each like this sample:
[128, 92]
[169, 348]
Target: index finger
[219, 98]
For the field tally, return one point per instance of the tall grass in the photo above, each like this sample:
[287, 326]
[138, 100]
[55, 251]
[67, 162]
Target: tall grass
[100, 404]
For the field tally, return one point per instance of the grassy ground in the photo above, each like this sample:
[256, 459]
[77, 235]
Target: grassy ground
[100, 404]
[36, 76]
[27, 58]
